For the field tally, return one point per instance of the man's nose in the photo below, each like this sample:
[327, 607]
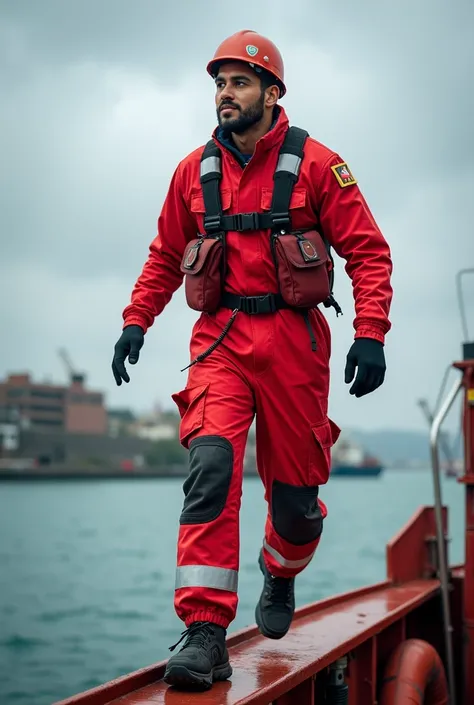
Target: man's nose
[227, 93]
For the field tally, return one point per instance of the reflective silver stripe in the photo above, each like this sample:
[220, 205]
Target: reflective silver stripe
[284, 562]
[289, 162]
[206, 576]
[210, 164]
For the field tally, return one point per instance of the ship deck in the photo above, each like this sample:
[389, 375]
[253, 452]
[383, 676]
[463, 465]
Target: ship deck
[364, 625]
[265, 669]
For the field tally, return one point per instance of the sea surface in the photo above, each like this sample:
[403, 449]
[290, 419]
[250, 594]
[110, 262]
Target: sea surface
[87, 569]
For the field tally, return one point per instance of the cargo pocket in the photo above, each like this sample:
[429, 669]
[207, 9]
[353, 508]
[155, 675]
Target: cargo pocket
[191, 403]
[324, 435]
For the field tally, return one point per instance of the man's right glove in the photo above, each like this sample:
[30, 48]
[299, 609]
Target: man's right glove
[129, 343]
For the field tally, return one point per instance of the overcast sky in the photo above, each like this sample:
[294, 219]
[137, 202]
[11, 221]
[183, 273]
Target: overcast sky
[100, 100]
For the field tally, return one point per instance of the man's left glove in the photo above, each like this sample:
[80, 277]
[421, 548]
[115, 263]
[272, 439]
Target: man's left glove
[367, 354]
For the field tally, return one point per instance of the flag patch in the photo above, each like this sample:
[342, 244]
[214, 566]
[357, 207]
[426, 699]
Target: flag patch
[343, 174]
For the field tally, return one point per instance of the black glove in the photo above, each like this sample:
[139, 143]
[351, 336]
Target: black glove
[367, 354]
[129, 343]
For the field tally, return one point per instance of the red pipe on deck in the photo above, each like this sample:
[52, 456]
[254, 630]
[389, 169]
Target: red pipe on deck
[467, 368]
[414, 675]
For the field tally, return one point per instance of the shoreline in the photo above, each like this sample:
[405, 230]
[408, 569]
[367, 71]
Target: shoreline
[111, 473]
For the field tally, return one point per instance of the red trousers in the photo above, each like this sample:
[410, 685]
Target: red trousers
[264, 368]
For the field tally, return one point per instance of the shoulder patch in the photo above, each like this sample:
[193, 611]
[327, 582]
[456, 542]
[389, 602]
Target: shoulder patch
[343, 175]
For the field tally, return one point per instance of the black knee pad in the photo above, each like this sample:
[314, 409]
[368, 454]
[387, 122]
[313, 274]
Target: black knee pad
[295, 511]
[211, 460]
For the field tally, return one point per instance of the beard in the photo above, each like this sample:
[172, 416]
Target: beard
[247, 118]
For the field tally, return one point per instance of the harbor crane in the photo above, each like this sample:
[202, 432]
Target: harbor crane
[74, 375]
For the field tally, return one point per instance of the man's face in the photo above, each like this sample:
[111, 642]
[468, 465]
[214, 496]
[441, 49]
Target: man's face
[239, 98]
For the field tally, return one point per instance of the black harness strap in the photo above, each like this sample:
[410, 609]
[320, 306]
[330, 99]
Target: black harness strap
[278, 220]
[210, 177]
[285, 177]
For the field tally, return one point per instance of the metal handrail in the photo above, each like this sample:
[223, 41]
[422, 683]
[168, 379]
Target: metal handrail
[442, 559]
[462, 310]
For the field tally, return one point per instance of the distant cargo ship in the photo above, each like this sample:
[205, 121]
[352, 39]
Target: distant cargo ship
[351, 460]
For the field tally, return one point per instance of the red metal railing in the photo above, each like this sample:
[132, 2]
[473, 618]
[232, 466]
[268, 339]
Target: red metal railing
[467, 369]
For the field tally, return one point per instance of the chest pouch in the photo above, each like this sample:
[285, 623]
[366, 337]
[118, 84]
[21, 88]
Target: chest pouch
[302, 263]
[202, 264]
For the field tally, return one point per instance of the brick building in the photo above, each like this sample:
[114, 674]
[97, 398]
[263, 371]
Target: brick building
[45, 407]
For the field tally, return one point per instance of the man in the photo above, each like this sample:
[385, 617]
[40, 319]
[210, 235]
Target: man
[251, 357]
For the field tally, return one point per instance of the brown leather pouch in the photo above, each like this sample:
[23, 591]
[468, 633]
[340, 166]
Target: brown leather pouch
[302, 265]
[202, 265]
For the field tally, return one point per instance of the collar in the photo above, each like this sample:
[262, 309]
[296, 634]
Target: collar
[274, 137]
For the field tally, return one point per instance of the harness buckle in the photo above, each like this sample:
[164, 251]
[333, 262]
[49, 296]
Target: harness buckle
[258, 304]
[212, 223]
[246, 221]
[281, 221]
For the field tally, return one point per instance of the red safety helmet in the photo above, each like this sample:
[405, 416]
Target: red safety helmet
[255, 50]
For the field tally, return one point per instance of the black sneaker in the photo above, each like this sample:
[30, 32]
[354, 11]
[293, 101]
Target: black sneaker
[202, 660]
[275, 609]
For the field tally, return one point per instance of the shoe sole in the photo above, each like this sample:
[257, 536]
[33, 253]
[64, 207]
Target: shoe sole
[258, 615]
[185, 679]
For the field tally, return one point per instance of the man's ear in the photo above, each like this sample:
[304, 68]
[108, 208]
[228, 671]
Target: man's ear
[271, 96]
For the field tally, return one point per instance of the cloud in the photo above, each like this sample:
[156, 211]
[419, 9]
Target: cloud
[99, 104]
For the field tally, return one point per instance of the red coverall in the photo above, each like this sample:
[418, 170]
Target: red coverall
[264, 366]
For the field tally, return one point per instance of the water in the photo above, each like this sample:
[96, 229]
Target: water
[87, 569]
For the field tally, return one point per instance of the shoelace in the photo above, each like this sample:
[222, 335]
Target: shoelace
[279, 589]
[197, 635]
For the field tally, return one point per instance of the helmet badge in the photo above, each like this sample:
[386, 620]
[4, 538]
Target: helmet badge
[251, 50]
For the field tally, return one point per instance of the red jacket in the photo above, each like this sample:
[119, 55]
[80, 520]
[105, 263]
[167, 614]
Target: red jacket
[346, 222]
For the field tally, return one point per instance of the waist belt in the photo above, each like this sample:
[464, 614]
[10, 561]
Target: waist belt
[267, 303]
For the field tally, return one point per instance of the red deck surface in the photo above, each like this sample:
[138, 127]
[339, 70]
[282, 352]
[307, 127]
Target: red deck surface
[264, 668]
